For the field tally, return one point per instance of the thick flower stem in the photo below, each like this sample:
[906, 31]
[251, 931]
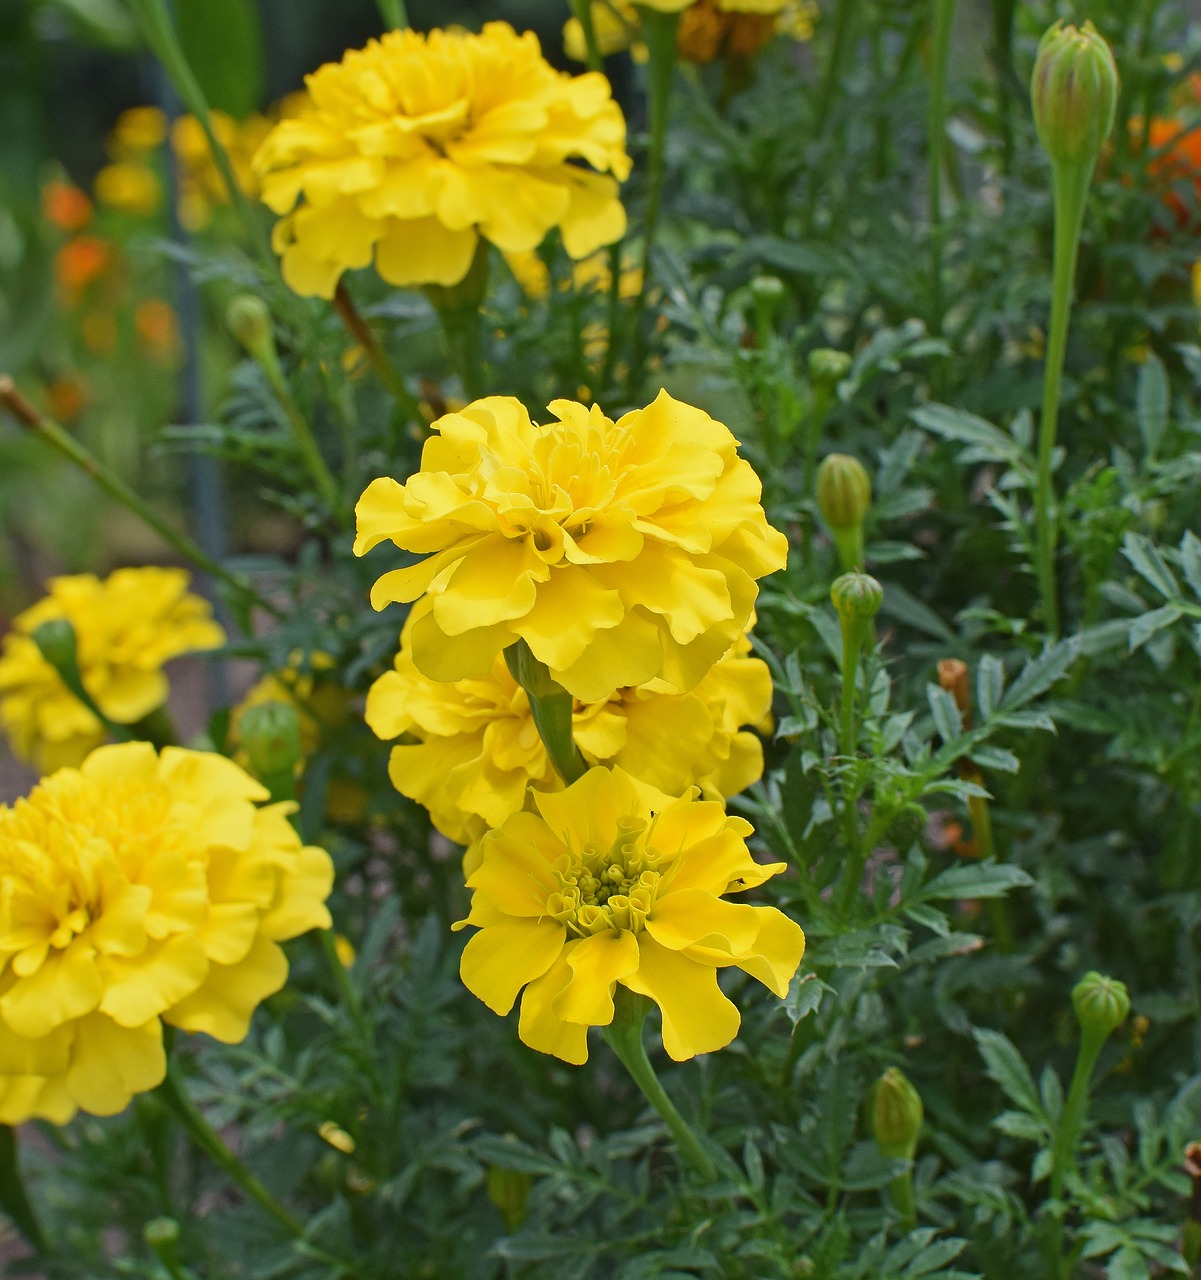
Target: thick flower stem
[552, 708]
[624, 1037]
[1071, 193]
[393, 14]
[582, 9]
[900, 1192]
[175, 1096]
[158, 31]
[848, 540]
[13, 1198]
[66, 444]
[944, 19]
[854, 633]
[365, 336]
[1075, 1109]
[660, 33]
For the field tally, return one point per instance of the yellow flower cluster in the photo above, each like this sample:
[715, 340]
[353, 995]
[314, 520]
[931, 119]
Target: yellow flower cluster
[624, 557]
[612, 882]
[477, 751]
[126, 627]
[137, 891]
[412, 149]
[707, 27]
[620, 552]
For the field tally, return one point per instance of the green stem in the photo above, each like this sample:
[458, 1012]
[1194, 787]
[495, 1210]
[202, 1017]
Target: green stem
[819, 411]
[159, 33]
[900, 1192]
[393, 13]
[659, 30]
[175, 1096]
[302, 433]
[56, 641]
[582, 9]
[1071, 193]
[1075, 1109]
[13, 1198]
[365, 336]
[848, 539]
[830, 78]
[552, 708]
[944, 20]
[116, 488]
[624, 1037]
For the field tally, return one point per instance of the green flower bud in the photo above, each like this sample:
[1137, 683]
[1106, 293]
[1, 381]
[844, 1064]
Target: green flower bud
[856, 595]
[844, 491]
[56, 640]
[1074, 92]
[828, 367]
[768, 290]
[270, 736]
[249, 320]
[161, 1231]
[896, 1115]
[509, 1191]
[1101, 1003]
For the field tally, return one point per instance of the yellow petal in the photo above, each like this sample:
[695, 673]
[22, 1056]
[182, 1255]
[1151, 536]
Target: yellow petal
[139, 989]
[224, 1005]
[423, 251]
[499, 960]
[66, 986]
[697, 1017]
[111, 1063]
[688, 917]
[540, 1027]
[597, 964]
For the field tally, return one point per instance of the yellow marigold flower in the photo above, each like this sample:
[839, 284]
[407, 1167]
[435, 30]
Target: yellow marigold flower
[530, 272]
[418, 145]
[126, 627]
[138, 130]
[477, 749]
[129, 187]
[615, 26]
[201, 183]
[612, 881]
[620, 552]
[138, 890]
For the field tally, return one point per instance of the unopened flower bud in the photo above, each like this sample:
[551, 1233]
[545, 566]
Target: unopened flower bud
[249, 320]
[768, 290]
[56, 640]
[509, 1191]
[270, 736]
[1101, 1003]
[896, 1115]
[856, 595]
[828, 367]
[844, 491]
[1074, 92]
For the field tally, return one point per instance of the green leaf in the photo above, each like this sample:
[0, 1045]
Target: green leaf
[1006, 1066]
[1154, 398]
[1150, 565]
[1190, 560]
[223, 40]
[804, 996]
[103, 22]
[904, 607]
[947, 719]
[989, 443]
[1039, 674]
[990, 684]
[996, 758]
[1149, 624]
[976, 880]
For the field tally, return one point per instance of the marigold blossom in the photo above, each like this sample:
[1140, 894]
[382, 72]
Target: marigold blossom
[413, 148]
[126, 627]
[620, 552]
[477, 750]
[139, 890]
[611, 881]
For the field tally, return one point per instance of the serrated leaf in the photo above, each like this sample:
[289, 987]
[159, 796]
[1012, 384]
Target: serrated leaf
[1149, 624]
[1147, 562]
[967, 428]
[930, 917]
[996, 758]
[1153, 402]
[947, 719]
[990, 684]
[804, 996]
[976, 880]
[904, 607]
[1039, 674]
[1008, 1069]
[1190, 560]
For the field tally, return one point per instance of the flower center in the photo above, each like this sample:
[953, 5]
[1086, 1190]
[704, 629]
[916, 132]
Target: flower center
[607, 887]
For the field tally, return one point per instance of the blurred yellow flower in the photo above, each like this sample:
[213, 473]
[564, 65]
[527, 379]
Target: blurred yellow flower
[615, 27]
[201, 184]
[612, 881]
[621, 552]
[138, 890]
[477, 749]
[137, 131]
[129, 187]
[530, 272]
[157, 330]
[415, 147]
[126, 627]
[318, 703]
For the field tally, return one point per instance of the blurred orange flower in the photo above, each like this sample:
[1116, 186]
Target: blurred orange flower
[65, 206]
[79, 263]
[68, 396]
[157, 329]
